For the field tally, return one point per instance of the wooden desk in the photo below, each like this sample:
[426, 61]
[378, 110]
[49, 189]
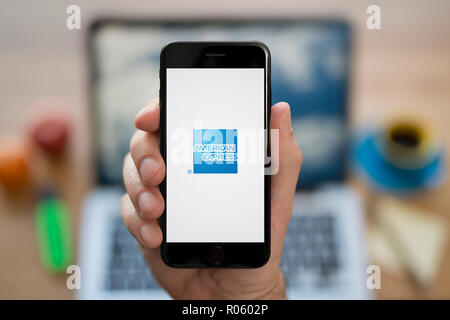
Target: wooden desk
[404, 67]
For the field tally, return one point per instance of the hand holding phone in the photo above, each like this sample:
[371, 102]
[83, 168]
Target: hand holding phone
[143, 205]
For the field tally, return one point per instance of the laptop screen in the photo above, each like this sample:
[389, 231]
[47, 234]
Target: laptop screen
[310, 71]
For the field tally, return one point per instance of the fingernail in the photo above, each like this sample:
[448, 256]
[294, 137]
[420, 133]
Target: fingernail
[148, 168]
[147, 235]
[146, 202]
[145, 109]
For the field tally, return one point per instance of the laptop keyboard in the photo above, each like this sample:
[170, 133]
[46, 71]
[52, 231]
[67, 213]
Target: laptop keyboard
[310, 256]
[127, 268]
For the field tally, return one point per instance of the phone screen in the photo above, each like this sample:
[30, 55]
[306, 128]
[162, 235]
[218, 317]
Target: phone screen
[215, 154]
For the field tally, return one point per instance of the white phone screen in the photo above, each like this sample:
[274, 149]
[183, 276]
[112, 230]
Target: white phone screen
[215, 154]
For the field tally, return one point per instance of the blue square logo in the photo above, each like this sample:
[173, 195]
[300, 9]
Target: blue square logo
[215, 151]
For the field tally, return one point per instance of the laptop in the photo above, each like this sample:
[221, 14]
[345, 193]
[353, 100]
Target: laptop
[323, 256]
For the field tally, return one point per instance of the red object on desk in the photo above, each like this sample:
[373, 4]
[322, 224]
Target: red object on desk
[51, 133]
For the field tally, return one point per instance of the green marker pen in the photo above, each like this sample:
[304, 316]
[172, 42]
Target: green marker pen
[53, 233]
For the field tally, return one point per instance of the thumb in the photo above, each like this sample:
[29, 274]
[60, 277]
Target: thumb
[284, 181]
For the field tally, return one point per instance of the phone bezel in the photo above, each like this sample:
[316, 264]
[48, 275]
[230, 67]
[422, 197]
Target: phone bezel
[216, 55]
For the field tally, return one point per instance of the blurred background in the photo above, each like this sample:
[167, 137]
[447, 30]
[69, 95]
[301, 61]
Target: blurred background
[371, 112]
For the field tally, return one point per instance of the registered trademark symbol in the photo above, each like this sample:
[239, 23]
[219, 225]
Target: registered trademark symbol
[189, 171]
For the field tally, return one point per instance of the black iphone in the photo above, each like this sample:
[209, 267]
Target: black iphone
[215, 102]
